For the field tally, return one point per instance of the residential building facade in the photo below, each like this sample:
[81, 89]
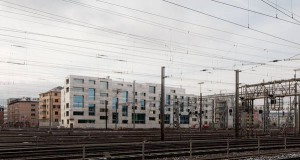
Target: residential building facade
[49, 108]
[91, 102]
[22, 112]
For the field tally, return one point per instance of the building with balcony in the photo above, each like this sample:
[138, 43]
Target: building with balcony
[22, 112]
[49, 108]
[92, 102]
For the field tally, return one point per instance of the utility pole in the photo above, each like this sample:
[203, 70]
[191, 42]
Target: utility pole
[213, 113]
[200, 110]
[50, 118]
[162, 104]
[106, 114]
[295, 109]
[278, 116]
[264, 115]
[133, 103]
[237, 103]
[116, 114]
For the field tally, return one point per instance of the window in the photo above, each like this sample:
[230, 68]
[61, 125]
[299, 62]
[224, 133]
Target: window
[67, 81]
[55, 94]
[86, 121]
[92, 82]
[79, 81]
[103, 110]
[143, 104]
[62, 121]
[54, 106]
[152, 105]
[32, 114]
[67, 105]
[124, 121]
[91, 109]
[194, 119]
[56, 112]
[55, 100]
[167, 119]
[102, 102]
[58, 106]
[67, 89]
[115, 103]
[103, 117]
[103, 94]
[152, 89]
[168, 99]
[78, 113]
[125, 111]
[91, 94]
[103, 85]
[115, 117]
[184, 119]
[173, 91]
[138, 118]
[67, 113]
[152, 112]
[125, 96]
[151, 118]
[152, 98]
[32, 110]
[32, 105]
[78, 89]
[56, 120]
[181, 107]
[78, 101]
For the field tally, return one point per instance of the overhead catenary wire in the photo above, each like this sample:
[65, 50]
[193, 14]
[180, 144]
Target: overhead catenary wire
[64, 44]
[208, 36]
[157, 42]
[256, 12]
[277, 9]
[186, 22]
[234, 23]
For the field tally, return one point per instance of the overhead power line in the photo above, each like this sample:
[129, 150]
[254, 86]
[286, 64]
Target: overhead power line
[276, 8]
[256, 12]
[186, 22]
[234, 23]
[291, 12]
[147, 39]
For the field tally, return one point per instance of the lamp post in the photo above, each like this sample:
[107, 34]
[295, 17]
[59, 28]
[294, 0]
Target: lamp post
[200, 111]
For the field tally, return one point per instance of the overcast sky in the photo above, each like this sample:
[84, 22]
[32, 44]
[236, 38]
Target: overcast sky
[43, 41]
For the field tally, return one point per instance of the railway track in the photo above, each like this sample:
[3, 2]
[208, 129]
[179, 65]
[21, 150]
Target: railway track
[128, 144]
[151, 149]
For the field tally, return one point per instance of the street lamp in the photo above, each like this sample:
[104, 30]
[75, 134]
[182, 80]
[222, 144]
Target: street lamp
[200, 112]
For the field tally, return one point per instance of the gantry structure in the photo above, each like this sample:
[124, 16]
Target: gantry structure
[270, 92]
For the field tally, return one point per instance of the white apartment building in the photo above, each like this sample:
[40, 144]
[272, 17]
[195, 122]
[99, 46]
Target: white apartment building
[92, 102]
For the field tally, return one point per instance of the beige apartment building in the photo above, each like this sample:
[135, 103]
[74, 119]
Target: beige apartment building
[49, 108]
[23, 112]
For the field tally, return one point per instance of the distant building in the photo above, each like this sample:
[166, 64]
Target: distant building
[49, 106]
[86, 101]
[218, 111]
[1, 116]
[22, 112]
